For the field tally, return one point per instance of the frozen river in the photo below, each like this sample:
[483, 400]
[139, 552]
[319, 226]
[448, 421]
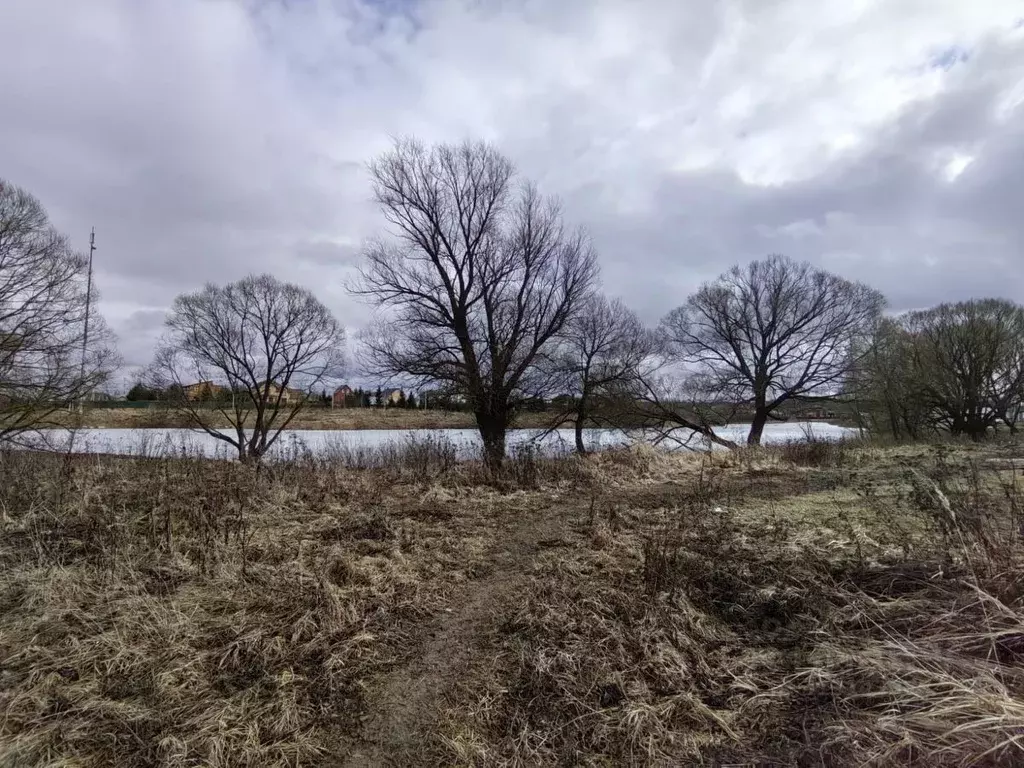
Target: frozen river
[163, 442]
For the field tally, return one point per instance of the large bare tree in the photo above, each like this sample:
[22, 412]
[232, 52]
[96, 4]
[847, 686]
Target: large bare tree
[478, 278]
[599, 363]
[46, 362]
[968, 364]
[772, 332]
[258, 349]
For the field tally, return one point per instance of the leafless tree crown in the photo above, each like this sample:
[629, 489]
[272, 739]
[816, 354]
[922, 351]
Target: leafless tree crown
[268, 344]
[881, 383]
[968, 364]
[478, 277]
[773, 331]
[599, 362]
[606, 344]
[45, 364]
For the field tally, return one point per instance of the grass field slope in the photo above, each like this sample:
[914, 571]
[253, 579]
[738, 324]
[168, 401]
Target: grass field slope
[808, 604]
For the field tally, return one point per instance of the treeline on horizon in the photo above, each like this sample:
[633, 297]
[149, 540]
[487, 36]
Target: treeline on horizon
[381, 397]
[140, 394]
[487, 298]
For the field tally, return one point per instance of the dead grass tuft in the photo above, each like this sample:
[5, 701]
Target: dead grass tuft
[186, 612]
[853, 605]
[702, 634]
[816, 452]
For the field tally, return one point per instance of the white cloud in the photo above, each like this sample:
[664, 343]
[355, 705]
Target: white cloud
[956, 165]
[208, 138]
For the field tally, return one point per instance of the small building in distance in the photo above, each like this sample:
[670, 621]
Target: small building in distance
[202, 390]
[288, 395]
[341, 396]
[814, 412]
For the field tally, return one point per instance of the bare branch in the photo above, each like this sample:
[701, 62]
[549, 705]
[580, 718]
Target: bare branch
[773, 332]
[43, 306]
[478, 279]
[259, 346]
[967, 364]
[598, 362]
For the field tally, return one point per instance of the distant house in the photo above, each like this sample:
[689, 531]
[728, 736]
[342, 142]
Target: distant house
[392, 396]
[341, 395]
[815, 413]
[288, 395]
[202, 390]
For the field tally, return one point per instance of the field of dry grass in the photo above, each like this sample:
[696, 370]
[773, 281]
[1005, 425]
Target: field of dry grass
[312, 418]
[804, 605]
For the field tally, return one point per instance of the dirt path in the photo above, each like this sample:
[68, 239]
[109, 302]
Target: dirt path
[404, 708]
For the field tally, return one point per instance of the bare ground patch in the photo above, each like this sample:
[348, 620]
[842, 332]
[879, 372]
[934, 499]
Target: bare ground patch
[404, 707]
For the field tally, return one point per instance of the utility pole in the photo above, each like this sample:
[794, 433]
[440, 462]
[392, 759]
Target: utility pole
[88, 307]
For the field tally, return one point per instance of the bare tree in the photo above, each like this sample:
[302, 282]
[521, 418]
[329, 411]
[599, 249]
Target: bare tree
[599, 363]
[1008, 384]
[479, 277]
[46, 362]
[968, 363]
[772, 332]
[883, 383]
[251, 353]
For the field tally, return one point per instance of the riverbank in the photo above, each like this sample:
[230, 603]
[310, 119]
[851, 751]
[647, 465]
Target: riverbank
[313, 419]
[360, 447]
[799, 604]
[307, 419]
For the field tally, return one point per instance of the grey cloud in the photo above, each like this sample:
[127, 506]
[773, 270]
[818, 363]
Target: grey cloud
[145, 320]
[884, 218]
[327, 253]
[136, 335]
[207, 140]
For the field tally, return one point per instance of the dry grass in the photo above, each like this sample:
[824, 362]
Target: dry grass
[187, 612]
[698, 634]
[846, 606]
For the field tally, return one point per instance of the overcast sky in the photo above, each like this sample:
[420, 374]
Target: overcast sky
[206, 139]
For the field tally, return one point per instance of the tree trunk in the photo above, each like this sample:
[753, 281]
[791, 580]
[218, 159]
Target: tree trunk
[581, 417]
[976, 429]
[894, 423]
[757, 426]
[257, 445]
[911, 428]
[492, 431]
